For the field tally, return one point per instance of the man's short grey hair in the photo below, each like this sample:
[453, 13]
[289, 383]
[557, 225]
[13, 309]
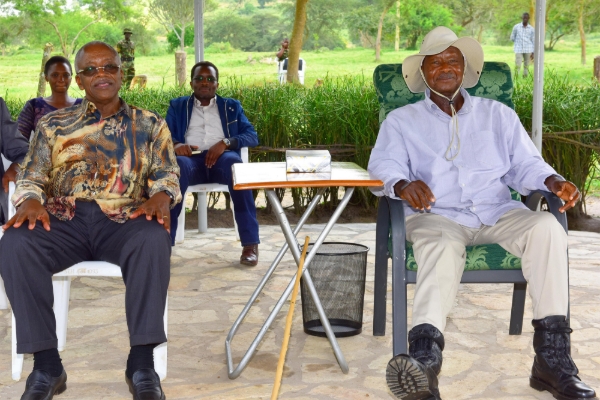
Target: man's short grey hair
[94, 43]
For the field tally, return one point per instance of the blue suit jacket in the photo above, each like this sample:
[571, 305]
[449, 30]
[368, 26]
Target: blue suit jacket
[236, 126]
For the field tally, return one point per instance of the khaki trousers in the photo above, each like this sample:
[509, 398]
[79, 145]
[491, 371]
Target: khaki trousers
[439, 248]
[522, 58]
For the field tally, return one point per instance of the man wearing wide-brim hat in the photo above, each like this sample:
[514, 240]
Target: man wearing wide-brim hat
[452, 157]
[126, 50]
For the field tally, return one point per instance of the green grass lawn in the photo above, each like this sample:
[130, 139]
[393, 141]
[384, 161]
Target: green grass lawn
[18, 73]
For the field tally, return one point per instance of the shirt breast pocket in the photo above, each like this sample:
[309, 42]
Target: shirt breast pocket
[487, 150]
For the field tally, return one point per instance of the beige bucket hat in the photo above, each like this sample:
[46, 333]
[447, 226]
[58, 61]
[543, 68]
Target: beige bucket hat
[436, 41]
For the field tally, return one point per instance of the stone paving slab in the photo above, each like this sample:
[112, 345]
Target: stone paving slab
[209, 289]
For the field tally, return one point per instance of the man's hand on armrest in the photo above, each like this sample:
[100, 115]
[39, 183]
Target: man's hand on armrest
[30, 210]
[417, 193]
[157, 205]
[10, 175]
[566, 190]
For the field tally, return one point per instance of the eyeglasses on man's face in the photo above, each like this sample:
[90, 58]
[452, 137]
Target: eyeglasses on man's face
[208, 79]
[107, 69]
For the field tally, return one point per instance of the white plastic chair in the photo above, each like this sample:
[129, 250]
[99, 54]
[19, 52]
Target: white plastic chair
[203, 189]
[3, 298]
[61, 284]
[283, 72]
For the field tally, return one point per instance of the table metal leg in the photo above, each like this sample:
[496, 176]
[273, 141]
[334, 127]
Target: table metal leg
[292, 243]
[234, 373]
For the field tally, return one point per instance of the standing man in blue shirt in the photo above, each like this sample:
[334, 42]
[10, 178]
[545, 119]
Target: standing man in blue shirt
[208, 132]
[452, 158]
[523, 36]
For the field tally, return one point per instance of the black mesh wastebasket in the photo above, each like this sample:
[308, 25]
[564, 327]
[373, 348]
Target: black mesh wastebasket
[338, 272]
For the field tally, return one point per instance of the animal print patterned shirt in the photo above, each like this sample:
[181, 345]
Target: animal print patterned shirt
[119, 161]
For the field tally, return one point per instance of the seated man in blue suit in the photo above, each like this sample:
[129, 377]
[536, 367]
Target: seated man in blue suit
[208, 132]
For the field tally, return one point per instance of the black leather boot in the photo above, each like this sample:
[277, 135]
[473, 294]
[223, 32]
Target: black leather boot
[425, 344]
[553, 368]
[413, 376]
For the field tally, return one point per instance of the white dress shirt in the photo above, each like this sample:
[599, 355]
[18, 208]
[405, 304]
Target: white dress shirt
[473, 189]
[205, 128]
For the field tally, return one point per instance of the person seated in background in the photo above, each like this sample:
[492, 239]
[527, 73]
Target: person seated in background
[452, 157]
[13, 147]
[58, 73]
[90, 172]
[208, 132]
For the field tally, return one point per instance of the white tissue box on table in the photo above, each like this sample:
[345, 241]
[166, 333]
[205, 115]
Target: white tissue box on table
[307, 161]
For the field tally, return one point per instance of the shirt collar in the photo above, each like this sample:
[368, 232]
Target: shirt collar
[88, 107]
[212, 103]
[466, 108]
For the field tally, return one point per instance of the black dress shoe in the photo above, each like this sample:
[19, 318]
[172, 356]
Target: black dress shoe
[42, 386]
[145, 385]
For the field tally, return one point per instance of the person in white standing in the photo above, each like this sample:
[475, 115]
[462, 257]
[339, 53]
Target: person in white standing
[523, 36]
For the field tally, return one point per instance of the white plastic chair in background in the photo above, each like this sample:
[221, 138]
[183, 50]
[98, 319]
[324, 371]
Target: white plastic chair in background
[203, 189]
[61, 284]
[282, 71]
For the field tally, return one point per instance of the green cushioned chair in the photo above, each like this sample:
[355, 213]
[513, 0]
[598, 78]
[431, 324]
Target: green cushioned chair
[485, 263]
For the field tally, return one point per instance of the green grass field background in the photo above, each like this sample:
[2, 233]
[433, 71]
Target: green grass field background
[18, 73]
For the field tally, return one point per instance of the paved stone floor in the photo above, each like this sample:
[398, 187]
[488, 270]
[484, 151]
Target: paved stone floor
[209, 288]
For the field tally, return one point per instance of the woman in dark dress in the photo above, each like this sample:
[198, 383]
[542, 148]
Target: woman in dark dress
[58, 73]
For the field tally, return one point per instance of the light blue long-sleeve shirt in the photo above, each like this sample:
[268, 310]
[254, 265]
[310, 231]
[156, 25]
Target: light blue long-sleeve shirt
[473, 189]
[524, 37]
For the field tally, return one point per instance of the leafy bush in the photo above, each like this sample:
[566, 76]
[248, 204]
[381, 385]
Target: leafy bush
[342, 116]
[175, 43]
[219, 47]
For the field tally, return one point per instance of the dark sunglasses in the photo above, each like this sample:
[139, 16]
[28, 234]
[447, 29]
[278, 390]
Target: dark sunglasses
[209, 79]
[107, 69]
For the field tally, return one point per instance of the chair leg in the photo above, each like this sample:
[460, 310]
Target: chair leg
[202, 217]
[237, 233]
[180, 234]
[518, 309]
[381, 269]
[62, 291]
[160, 351]
[17, 359]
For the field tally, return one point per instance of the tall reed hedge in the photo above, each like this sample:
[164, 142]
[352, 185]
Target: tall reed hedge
[342, 116]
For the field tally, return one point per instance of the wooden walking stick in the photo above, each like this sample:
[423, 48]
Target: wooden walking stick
[288, 324]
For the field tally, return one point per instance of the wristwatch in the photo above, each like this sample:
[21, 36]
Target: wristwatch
[227, 142]
[170, 195]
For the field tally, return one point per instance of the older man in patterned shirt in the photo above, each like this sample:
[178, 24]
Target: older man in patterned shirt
[91, 170]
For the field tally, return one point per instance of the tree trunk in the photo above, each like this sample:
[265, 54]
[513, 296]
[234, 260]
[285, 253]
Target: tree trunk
[180, 68]
[380, 29]
[296, 41]
[532, 12]
[581, 30]
[42, 82]
[480, 34]
[182, 38]
[597, 68]
[397, 41]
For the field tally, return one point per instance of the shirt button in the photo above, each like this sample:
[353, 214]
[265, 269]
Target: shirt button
[474, 208]
[462, 184]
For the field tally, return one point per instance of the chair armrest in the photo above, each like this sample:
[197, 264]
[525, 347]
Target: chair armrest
[11, 209]
[244, 154]
[554, 203]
